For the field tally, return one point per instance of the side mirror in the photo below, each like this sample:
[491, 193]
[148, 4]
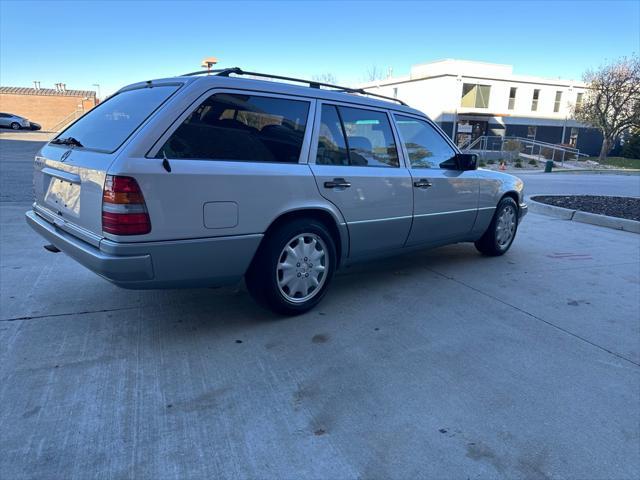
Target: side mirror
[461, 161]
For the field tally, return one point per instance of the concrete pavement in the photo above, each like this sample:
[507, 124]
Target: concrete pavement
[441, 364]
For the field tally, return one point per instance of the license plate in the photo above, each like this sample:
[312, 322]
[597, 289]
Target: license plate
[63, 196]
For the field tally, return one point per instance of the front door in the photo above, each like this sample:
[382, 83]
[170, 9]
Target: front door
[357, 168]
[445, 201]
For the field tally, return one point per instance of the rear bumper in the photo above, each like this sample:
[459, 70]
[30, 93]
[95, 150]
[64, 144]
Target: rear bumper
[171, 264]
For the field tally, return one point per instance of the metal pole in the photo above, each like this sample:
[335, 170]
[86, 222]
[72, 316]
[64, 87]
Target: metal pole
[455, 126]
[97, 85]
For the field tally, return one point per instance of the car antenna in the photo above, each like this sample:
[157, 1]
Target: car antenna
[165, 162]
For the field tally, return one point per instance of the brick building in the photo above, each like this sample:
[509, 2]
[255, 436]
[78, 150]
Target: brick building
[51, 108]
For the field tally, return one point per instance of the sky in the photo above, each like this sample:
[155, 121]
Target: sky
[116, 43]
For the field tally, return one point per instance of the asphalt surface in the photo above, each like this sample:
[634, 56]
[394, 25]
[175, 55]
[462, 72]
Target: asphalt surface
[624, 185]
[441, 364]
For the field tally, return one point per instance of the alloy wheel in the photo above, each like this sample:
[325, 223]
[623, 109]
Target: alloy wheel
[506, 226]
[302, 267]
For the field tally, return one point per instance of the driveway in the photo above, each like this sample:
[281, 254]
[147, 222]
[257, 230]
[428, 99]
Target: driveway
[441, 364]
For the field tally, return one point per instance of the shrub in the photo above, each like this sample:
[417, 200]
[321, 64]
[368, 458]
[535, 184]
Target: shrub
[518, 164]
[491, 161]
[567, 155]
[547, 153]
[631, 147]
[512, 146]
[533, 162]
[482, 164]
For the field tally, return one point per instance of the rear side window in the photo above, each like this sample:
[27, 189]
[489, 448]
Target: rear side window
[332, 147]
[369, 138]
[243, 128]
[108, 125]
[369, 141]
[425, 146]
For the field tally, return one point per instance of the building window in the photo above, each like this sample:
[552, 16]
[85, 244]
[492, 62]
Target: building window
[534, 102]
[579, 100]
[573, 137]
[475, 96]
[556, 103]
[512, 98]
[531, 132]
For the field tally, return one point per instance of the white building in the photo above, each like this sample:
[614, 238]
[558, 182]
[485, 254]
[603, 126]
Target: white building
[469, 99]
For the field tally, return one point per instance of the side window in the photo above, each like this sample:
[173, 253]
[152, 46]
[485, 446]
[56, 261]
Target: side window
[241, 127]
[369, 138]
[332, 148]
[425, 146]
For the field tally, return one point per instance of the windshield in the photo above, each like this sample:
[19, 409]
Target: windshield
[109, 124]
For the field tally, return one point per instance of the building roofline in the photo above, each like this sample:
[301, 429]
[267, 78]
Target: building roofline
[50, 92]
[516, 78]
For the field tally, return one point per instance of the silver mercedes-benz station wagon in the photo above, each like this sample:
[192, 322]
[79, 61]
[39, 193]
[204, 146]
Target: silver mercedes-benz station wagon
[204, 179]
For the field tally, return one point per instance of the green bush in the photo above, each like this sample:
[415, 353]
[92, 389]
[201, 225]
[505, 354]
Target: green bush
[491, 162]
[518, 164]
[533, 162]
[631, 148]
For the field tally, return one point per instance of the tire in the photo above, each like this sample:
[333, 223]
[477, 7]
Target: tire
[281, 279]
[495, 241]
[15, 125]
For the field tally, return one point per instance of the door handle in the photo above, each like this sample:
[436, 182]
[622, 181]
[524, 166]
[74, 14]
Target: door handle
[337, 183]
[422, 183]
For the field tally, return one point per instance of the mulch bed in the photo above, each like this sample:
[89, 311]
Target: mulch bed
[621, 207]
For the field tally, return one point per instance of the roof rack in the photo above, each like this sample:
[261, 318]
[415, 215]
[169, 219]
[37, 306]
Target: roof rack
[225, 72]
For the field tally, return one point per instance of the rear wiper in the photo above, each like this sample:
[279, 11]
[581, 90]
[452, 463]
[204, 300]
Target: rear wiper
[67, 141]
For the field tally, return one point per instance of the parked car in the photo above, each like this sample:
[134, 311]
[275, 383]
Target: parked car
[14, 122]
[202, 180]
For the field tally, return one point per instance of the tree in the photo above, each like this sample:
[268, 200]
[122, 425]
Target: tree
[374, 73]
[612, 101]
[325, 78]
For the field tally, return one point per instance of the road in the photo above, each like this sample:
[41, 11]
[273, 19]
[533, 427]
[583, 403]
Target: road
[441, 364]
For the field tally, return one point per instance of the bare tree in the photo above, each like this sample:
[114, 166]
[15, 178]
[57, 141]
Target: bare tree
[325, 78]
[612, 101]
[374, 73]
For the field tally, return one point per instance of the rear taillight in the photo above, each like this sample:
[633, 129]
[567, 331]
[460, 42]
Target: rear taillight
[123, 209]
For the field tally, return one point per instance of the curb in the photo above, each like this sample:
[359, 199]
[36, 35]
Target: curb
[583, 217]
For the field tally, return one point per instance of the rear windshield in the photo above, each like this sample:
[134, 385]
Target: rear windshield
[109, 124]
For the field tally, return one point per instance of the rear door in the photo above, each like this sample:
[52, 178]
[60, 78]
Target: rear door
[70, 171]
[356, 165]
[445, 201]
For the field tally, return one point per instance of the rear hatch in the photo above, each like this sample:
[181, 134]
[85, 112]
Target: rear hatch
[70, 171]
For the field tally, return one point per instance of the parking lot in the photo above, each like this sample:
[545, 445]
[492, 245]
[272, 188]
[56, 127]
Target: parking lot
[441, 364]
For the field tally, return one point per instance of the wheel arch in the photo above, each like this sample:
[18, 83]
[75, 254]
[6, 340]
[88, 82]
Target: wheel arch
[326, 217]
[512, 194]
